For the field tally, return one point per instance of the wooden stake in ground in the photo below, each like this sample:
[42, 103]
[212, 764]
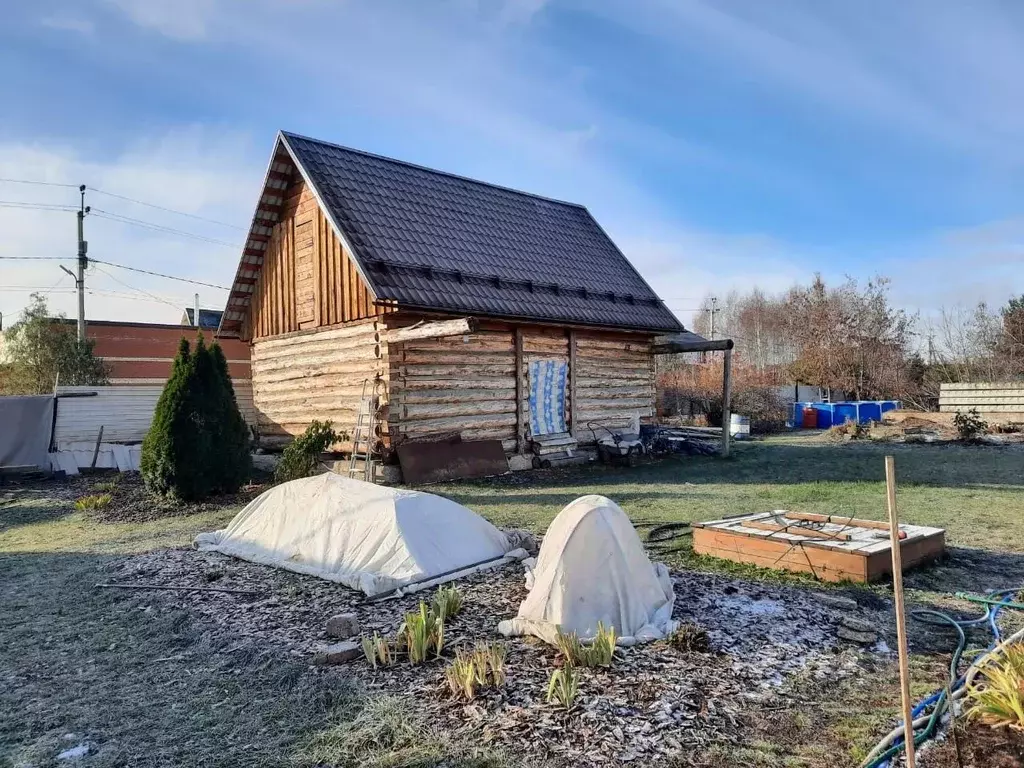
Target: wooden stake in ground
[901, 621]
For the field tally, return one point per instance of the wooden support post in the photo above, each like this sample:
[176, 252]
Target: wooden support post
[573, 399]
[726, 400]
[520, 394]
[901, 621]
[99, 437]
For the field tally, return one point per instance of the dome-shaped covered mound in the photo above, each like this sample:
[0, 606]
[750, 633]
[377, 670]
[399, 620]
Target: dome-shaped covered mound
[592, 568]
[362, 535]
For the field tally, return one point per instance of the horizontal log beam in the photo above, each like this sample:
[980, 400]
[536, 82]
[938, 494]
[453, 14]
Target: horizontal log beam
[679, 343]
[433, 330]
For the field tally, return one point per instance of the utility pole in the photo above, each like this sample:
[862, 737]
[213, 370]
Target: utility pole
[713, 310]
[931, 349]
[83, 262]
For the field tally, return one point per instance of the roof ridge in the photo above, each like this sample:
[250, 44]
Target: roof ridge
[437, 171]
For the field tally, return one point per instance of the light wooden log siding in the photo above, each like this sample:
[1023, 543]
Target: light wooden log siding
[460, 384]
[468, 383]
[308, 280]
[315, 374]
[615, 380]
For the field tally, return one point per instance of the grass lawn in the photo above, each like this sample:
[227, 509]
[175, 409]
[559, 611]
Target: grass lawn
[77, 663]
[975, 493]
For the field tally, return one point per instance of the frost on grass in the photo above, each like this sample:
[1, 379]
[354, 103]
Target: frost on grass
[385, 733]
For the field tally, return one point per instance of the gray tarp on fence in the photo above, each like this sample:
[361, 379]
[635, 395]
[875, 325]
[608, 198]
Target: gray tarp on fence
[25, 423]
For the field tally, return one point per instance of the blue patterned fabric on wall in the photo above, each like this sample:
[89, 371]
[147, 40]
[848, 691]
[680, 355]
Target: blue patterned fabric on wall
[547, 396]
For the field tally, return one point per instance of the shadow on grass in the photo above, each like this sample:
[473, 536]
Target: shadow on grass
[30, 508]
[135, 678]
[970, 570]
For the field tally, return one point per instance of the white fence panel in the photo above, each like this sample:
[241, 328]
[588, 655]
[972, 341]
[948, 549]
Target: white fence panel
[994, 398]
[124, 412]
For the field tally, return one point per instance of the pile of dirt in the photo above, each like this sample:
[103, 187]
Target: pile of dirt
[654, 702]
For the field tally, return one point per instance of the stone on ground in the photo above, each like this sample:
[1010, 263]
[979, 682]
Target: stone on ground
[339, 653]
[74, 753]
[838, 602]
[857, 625]
[343, 625]
[852, 635]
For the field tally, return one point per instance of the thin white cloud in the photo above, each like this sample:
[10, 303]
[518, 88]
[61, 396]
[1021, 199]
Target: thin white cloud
[199, 171]
[69, 23]
[941, 72]
[180, 19]
[521, 11]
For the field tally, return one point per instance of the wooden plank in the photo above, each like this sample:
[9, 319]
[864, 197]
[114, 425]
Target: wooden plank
[829, 565]
[574, 397]
[797, 562]
[279, 324]
[335, 256]
[914, 551]
[346, 291]
[322, 317]
[520, 374]
[838, 520]
[798, 530]
[364, 293]
[289, 241]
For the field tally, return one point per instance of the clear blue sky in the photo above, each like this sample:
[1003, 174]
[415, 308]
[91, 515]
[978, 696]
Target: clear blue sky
[721, 143]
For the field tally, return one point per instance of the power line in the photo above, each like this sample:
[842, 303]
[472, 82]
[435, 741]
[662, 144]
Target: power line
[39, 183]
[120, 266]
[20, 204]
[159, 274]
[132, 287]
[126, 198]
[168, 210]
[33, 258]
[159, 227]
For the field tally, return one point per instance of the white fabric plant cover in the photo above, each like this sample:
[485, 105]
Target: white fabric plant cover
[592, 567]
[362, 535]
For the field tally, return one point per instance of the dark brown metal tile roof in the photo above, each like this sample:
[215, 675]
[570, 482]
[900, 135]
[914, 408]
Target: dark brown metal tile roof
[435, 241]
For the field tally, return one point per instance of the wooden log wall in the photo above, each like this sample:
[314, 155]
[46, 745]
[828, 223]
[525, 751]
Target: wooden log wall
[468, 384]
[308, 280]
[316, 374]
[463, 384]
[614, 380]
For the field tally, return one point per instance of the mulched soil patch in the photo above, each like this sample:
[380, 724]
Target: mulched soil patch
[655, 702]
[131, 503]
[980, 747]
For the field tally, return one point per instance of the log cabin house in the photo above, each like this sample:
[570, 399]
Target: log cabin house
[439, 291]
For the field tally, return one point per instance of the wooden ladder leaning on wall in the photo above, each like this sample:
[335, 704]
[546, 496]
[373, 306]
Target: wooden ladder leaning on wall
[364, 435]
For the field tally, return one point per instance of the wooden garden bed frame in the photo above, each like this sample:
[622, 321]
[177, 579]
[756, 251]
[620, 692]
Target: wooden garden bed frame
[832, 548]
